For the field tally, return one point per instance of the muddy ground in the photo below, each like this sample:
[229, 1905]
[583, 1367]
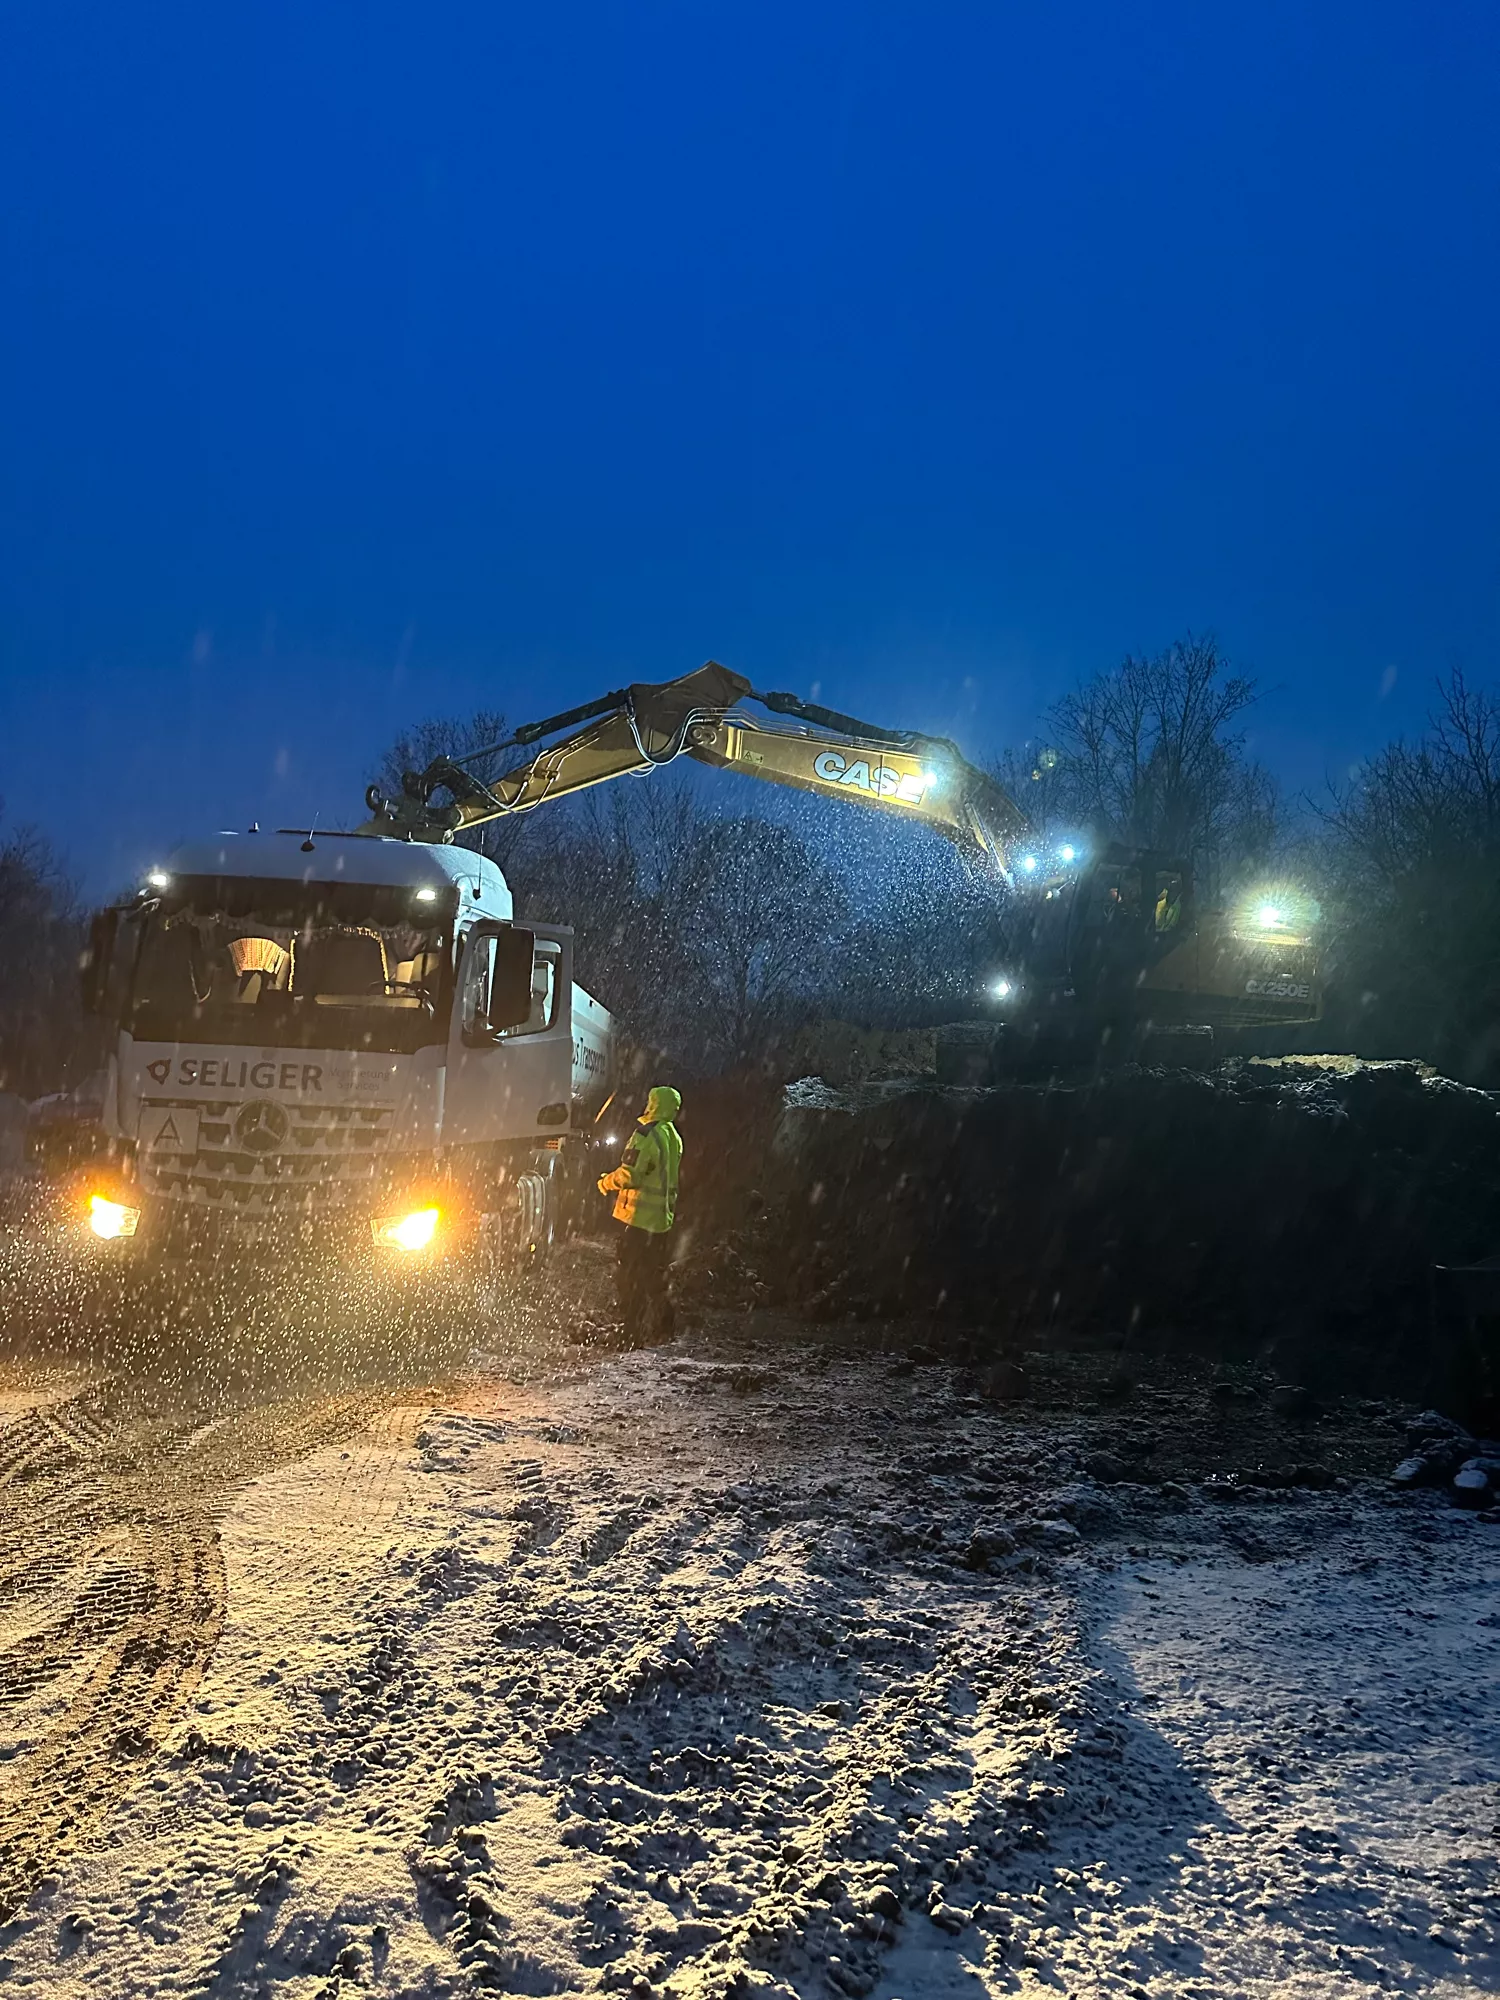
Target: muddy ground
[1302, 1212]
[781, 1658]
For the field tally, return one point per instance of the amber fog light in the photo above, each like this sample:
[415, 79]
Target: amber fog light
[407, 1232]
[112, 1218]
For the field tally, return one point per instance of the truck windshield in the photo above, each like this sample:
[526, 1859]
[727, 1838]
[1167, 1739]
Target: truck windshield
[295, 965]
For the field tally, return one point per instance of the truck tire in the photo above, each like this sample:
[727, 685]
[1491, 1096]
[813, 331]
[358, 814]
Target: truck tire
[510, 1242]
[535, 1221]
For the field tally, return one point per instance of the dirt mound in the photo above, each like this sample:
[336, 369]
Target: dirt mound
[1293, 1208]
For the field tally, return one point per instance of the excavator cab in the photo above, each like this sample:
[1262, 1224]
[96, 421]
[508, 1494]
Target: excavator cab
[1132, 911]
[1145, 897]
[1125, 905]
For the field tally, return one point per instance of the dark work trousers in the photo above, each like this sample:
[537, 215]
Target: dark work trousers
[641, 1284]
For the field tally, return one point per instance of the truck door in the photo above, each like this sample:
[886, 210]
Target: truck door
[509, 1072]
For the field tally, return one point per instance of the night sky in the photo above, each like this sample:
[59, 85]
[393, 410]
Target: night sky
[365, 362]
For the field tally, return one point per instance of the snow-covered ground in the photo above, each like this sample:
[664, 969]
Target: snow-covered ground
[799, 1673]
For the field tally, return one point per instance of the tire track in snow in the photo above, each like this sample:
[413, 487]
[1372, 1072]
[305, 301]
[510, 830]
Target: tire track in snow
[764, 1741]
[112, 1594]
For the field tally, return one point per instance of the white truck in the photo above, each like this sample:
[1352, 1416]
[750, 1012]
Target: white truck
[338, 1042]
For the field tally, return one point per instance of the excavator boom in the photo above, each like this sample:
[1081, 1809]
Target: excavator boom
[702, 715]
[1098, 930]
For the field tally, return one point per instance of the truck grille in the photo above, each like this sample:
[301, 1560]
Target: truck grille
[330, 1153]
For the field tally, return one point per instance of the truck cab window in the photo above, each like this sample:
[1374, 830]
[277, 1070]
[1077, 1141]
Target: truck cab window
[261, 965]
[273, 963]
[544, 990]
[546, 993]
[474, 992]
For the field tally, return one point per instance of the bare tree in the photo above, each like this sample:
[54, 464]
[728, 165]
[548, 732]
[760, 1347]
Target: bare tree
[40, 1013]
[707, 934]
[1424, 805]
[1151, 754]
[767, 921]
[1412, 852]
[624, 865]
[446, 736]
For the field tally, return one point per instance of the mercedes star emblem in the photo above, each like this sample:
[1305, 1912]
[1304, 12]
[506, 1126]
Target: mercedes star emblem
[261, 1126]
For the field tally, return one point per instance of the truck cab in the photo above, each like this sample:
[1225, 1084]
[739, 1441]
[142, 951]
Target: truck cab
[319, 1037]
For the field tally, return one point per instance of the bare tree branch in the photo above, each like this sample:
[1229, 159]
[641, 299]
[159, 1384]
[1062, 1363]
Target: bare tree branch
[1150, 755]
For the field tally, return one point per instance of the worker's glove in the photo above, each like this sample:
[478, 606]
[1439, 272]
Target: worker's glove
[604, 1186]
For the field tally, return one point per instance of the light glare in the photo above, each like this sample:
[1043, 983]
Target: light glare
[158, 879]
[409, 1232]
[110, 1219]
[1068, 853]
[1269, 917]
[1029, 863]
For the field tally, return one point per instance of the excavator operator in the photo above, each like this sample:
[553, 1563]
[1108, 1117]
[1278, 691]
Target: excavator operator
[645, 1189]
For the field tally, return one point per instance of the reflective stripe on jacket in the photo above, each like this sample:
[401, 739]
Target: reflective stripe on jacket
[645, 1182]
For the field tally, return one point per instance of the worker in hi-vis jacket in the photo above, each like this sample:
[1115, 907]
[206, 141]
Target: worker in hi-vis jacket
[645, 1189]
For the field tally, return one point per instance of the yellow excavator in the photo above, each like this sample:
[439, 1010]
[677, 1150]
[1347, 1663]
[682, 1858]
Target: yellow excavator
[1115, 942]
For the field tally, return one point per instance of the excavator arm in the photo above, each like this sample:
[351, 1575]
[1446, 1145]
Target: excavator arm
[634, 730]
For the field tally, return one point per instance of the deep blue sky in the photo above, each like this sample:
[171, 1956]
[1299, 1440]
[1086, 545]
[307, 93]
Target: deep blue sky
[362, 362]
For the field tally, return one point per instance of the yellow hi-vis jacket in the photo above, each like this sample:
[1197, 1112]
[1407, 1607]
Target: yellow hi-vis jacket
[645, 1182]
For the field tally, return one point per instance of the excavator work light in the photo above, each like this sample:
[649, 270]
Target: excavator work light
[1276, 913]
[110, 1219]
[407, 1232]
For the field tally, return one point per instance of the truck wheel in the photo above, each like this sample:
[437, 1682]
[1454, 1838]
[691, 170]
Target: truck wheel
[536, 1204]
[487, 1263]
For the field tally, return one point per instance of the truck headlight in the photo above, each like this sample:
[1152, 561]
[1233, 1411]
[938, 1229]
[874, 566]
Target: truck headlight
[112, 1218]
[407, 1232]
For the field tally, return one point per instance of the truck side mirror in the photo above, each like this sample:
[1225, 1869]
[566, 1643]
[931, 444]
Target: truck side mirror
[510, 979]
[93, 966]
